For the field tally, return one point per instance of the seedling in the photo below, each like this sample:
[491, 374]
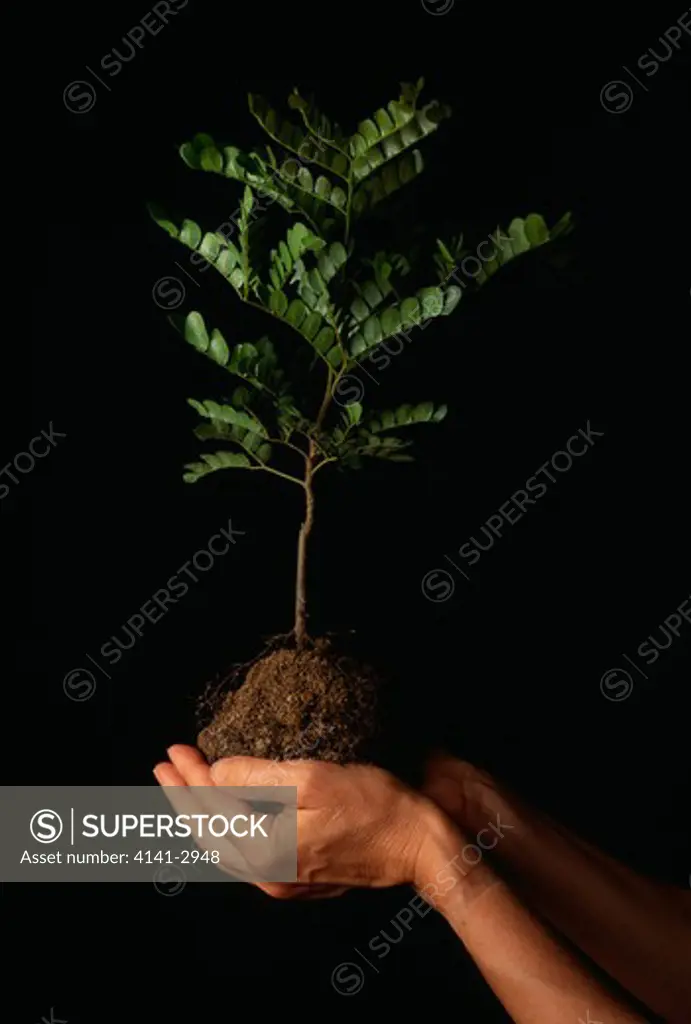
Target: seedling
[299, 251]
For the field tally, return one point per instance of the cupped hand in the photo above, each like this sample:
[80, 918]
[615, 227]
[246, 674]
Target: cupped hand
[357, 825]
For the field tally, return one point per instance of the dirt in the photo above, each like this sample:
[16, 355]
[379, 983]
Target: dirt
[315, 703]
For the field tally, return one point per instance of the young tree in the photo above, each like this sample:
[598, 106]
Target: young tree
[320, 278]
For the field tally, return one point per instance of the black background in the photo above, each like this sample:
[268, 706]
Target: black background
[508, 669]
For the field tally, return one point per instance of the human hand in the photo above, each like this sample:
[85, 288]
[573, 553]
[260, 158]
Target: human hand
[462, 791]
[357, 825]
[187, 767]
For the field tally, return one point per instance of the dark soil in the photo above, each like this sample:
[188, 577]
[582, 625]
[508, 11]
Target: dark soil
[316, 704]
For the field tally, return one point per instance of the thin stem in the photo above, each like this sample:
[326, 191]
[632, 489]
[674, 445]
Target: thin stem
[264, 309]
[328, 394]
[306, 527]
[301, 577]
[270, 469]
[287, 444]
[349, 203]
[330, 458]
[313, 131]
[296, 152]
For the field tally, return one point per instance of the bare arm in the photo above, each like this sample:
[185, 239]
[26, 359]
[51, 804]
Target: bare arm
[635, 929]
[359, 826]
[530, 970]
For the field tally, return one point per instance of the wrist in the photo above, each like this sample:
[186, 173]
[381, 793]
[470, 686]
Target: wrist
[451, 869]
[441, 845]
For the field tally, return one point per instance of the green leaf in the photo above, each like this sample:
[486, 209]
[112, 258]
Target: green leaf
[354, 413]
[195, 331]
[324, 341]
[315, 198]
[190, 155]
[391, 321]
[296, 313]
[393, 177]
[519, 239]
[564, 226]
[452, 297]
[218, 349]
[411, 314]
[403, 416]
[335, 358]
[227, 414]
[331, 259]
[298, 236]
[241, 397]
[311, 325]
[210, 247]
[243, 358]
[293, 139]
[211, 160]
[278, 303]
[395, 131]
[299, 241]
[372, 332]
[423, 413]
[522, 236]
[190, 234]
[214, 248]
[162, 220]
[359, 310]
[247, 202]
[286, 259]
[213, 462]
[536, 230]
[432, 301]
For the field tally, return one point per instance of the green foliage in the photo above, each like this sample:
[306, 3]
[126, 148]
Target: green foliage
[332, 298]
[354, 437]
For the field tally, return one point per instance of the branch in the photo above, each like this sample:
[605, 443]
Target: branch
[290, 149]
[287, 444]
[327, 142]
[270, 469]
[331, 458]
[265, 309]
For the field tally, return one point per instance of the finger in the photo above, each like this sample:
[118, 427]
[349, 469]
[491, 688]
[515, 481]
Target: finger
[290, 891]
[168, 775]
[185, 802]
[245, 771]
[282, 890]
[185, 799]
[255, 771]
[191, 764]
[192, 767]
[324, 892]
[237, 853]
[440, 762]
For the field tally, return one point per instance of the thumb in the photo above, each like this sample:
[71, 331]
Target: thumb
[243, 771]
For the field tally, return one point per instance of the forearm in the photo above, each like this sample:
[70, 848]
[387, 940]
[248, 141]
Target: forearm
[637, 931]
[531, 972]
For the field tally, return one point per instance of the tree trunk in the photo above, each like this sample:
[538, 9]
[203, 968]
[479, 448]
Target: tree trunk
[301, 577]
